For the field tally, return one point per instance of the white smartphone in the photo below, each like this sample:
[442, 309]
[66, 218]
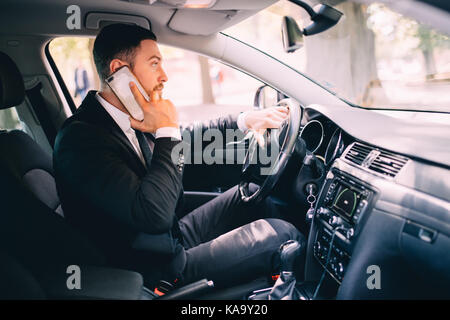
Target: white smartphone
[119, 82]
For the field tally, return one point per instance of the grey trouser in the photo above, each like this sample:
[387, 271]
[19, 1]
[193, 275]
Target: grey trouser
[229, 241]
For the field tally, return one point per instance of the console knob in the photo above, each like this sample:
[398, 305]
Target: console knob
[335, 221]
[323, 212]
[340, 269]
[350, 233]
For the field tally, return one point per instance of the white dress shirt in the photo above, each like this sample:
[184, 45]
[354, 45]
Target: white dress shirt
[123, 121]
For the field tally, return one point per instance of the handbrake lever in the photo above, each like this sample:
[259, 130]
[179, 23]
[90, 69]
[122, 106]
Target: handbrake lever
[190, 291]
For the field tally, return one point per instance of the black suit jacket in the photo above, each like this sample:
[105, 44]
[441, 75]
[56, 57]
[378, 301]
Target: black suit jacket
[106, 191]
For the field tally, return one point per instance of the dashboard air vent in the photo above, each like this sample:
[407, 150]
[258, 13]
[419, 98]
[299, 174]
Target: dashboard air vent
[379, 161]
[388, 163]
[357, 153]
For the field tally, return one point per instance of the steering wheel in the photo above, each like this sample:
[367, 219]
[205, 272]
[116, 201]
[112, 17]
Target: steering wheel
[253, 171]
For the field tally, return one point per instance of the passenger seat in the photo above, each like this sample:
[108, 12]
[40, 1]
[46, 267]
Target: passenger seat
[30, 231]
[24, 156]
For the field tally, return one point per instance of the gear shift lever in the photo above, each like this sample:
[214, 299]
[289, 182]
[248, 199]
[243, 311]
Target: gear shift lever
[289, 251]
[284, 288]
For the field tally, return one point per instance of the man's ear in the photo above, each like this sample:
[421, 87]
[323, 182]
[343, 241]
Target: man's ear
[115, 64]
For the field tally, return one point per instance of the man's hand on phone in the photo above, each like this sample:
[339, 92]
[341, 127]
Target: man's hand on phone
[158, 113]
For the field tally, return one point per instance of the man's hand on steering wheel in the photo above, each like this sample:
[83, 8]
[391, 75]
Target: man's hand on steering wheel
[266, 118]
[285, 140]
[269, 118]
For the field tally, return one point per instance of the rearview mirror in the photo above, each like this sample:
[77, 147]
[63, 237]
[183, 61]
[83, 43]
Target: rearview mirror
[291, 34]
[323, 17]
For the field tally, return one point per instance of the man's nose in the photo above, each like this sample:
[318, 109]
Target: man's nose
[162, 76]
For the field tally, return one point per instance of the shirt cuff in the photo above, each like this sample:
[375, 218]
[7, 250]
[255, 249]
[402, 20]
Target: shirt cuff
[241, 122]
[168, 132]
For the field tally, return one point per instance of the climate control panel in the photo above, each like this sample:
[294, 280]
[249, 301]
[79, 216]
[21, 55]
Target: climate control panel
[337, 260]
[342, 204]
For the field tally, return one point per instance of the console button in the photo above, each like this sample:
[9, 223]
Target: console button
[323, 213]
[335, 221]
[317, 248]
[340, 269]
[350, 233]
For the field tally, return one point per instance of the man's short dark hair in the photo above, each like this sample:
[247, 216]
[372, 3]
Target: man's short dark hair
[118, 41]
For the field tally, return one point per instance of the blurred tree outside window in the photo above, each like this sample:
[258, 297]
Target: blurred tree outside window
[374, 57]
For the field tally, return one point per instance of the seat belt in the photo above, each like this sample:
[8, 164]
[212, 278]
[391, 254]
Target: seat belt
[40, 108]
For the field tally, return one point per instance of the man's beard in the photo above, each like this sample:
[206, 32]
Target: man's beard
[158, 89]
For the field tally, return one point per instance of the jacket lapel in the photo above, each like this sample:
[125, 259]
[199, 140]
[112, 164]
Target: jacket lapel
[93, 112]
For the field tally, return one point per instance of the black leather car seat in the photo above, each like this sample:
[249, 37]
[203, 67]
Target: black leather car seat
[17, 283]
[30, 231]
[30, 162]
[24, 156]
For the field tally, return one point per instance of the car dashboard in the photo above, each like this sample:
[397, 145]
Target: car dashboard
[381, 225]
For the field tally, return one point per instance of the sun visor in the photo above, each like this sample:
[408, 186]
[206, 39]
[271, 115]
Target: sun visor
[97, 20]
[201, 22]
[221, 16]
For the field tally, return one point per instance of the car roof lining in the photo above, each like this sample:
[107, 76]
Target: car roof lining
[49, 17]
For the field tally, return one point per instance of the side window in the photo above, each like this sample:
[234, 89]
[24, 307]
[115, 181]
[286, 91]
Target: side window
[202, 88]
[199, 87]
[73, 58]
[9, 119]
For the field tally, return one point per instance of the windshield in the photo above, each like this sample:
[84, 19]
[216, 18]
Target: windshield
[373, 58]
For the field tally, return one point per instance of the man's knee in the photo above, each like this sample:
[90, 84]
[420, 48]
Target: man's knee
[285, 230]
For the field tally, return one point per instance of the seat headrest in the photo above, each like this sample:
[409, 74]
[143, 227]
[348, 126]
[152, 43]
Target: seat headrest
[12, 89]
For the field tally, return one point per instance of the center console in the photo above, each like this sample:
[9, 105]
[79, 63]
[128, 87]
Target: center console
[343, 206]
[341, 209]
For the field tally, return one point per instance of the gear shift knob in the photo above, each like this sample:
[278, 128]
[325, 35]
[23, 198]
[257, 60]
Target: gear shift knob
[289, 251]
[285, 286]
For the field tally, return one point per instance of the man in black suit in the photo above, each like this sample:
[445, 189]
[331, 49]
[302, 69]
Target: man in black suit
[118, 183]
